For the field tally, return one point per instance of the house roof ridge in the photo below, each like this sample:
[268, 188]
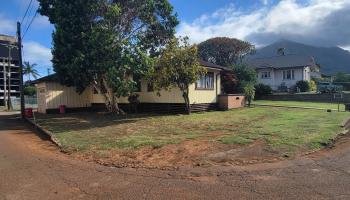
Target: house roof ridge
[277, 56]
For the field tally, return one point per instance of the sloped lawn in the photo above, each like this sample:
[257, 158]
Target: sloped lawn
[282, 130]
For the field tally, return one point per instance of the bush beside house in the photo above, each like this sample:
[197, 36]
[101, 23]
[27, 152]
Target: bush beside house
[30, 91]
[262, 90]
[303, 86]
[313, 85]
[249, 92]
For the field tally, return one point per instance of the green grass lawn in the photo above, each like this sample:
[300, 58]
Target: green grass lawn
[301, 104]
[283, 129]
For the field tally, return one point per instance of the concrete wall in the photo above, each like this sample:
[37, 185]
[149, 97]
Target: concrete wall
[227, 102]
[327, 98]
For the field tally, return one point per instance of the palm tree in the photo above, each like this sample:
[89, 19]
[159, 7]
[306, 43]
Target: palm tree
[29, 70]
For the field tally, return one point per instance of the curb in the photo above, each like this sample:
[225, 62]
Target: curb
[52, 137]
[279, 106]
[346, 123]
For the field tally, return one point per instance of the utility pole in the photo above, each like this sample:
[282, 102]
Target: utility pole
[9, 105]
[5, 88]
[19, 43]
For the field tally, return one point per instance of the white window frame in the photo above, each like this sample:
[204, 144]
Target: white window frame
[288, 74]
[266, 75]
[206, 82]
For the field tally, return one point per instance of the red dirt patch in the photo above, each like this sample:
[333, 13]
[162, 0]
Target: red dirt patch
[187, 153]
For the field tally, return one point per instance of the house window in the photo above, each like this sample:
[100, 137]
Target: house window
[288, 74]
[265, 75]
[206, 82]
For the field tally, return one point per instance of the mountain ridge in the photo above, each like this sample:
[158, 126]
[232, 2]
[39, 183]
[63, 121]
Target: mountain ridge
[331, 59]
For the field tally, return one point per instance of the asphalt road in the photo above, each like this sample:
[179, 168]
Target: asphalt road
[32, 168]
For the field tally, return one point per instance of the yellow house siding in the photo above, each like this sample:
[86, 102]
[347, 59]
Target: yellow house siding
[99, 98]
[57, 94]
[41, 97]
[206, 96]
[54, 94]
[174, 95]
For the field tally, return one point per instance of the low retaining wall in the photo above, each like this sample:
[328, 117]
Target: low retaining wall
[324, 98]
[231, 101]
[51, 136]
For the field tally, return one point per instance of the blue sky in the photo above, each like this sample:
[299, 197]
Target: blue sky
[261, 22]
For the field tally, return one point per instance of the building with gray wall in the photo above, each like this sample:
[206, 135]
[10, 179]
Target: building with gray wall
[9, 68]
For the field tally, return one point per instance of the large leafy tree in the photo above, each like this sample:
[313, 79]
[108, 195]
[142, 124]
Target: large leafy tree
[224, 51]
[104, 43]
[178, 66]
[245, 75]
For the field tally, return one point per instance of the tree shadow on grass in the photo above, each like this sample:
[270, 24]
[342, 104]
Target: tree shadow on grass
[14, 123]
[59, 123]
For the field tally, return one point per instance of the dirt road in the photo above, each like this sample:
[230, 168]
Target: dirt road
[32, 168]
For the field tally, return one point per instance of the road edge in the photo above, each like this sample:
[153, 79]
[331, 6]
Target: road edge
[52, 137]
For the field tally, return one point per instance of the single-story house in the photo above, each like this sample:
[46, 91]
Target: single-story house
[203, 95]
[284, 71]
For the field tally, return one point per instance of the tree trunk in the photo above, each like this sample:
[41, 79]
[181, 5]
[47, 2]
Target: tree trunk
[187, 101]
[110, 99]
[249, 101]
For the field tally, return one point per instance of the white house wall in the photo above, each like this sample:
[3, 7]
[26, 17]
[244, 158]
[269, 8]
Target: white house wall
[277, 77]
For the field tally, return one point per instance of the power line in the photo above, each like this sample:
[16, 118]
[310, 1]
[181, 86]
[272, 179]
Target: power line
[25, 14]
[27, 19]
[25, 32]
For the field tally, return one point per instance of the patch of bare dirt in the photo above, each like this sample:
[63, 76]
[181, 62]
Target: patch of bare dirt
[188, 153]
[340, 143]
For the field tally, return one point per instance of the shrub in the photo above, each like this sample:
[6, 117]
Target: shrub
[313, 85]
[229, 83]
[303, 86]
[262, 90]
[29, 91]
[245, 75]
[249, 92]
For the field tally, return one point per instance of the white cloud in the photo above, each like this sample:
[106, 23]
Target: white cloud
[7, 26]
[265, 2]
[37, 53]
[312, 22]
[345, 47]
